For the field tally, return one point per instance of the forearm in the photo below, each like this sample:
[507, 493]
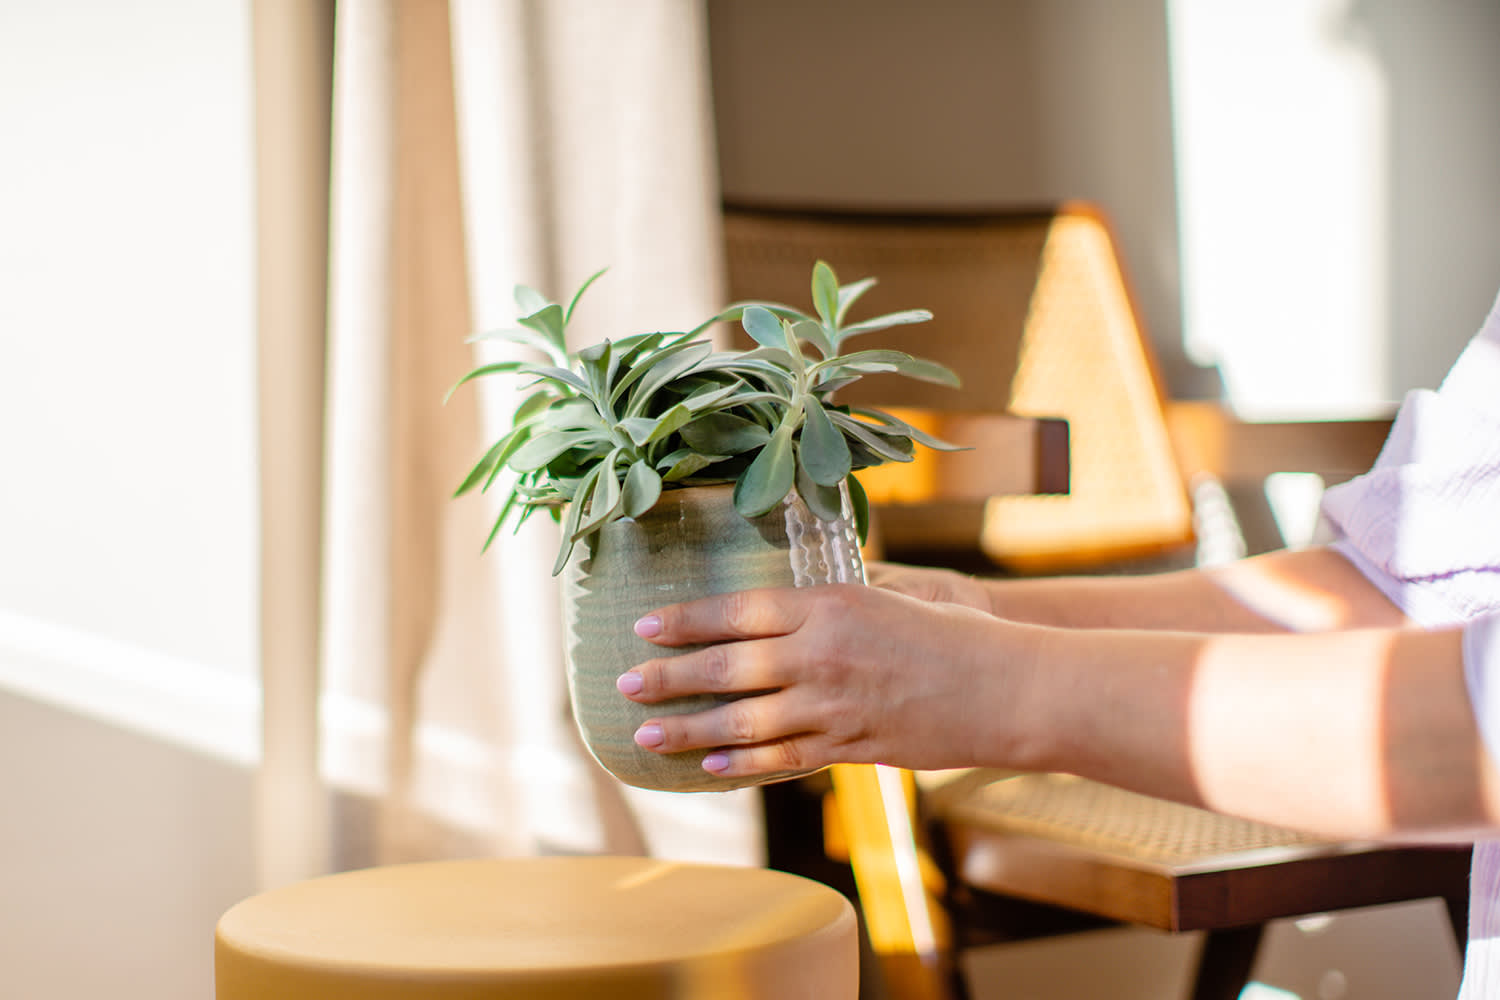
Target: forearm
[1363, 733]
[1308, 590]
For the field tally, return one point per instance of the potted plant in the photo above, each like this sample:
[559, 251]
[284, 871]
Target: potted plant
[677, 471]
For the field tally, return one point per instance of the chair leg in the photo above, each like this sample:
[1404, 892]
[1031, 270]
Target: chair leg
[1458, 916]
[1225, 963]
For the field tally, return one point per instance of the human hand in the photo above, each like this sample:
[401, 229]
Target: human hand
[831, 674]
[943, 586]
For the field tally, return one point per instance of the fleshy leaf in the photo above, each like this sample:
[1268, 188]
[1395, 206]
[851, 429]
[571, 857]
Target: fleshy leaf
[885, 322]
[497, 368]
[764, 328]
[642, 489]
[769, 478]
[724, 434]
[825, 292]
[822, 450]
[849, 293]
[915, 433]
[859, 504]
[683, 462]
[806, 329]
[823, 501]
[568, 316]
[547, 321]
[529, 301]
[542, 449]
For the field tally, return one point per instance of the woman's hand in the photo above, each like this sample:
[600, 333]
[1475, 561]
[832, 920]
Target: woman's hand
[833, 674]
[941, 586]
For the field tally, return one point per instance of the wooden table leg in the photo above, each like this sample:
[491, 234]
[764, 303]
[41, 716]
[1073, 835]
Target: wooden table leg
[1225, 963]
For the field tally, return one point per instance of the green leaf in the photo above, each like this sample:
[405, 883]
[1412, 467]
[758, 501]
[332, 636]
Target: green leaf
[568, 316]
[571, 414]
[575, 514]
[724, 434]
[683, 462]
[826, 387]
[848, 294]
[778, 309]
[532, 405]
[548, 321]
[661, 370]
[887, 361]
[822, 450]
[529, 301]
[669, 423]
[642, 488]
[764, 328]
[604, 504]
[885, 322]
[813, 333]
[929, 371]
[891, 449]
[498, 367]
[823, 501]
[483, 467]
[729, 315]
[859, 504]
[700, 401]
[637, 429]
[494, 460]
[769, 478]
[915, 433]
[555, 374]
[543, 448]
[527, 338]
[825, 293]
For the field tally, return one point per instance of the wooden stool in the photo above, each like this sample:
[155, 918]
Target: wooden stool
[559, 928]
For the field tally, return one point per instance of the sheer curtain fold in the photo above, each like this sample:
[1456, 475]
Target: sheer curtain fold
[473, 148]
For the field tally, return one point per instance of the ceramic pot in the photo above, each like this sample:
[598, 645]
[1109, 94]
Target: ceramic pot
[693, 543]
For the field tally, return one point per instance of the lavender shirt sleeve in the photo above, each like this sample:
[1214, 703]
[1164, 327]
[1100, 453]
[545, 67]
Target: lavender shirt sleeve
[1482, 674]
[1424, 523]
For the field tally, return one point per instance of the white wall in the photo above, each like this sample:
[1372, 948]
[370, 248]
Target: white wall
[127, 520]
[1317, 219]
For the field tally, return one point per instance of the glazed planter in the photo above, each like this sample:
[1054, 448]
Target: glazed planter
[692, 544]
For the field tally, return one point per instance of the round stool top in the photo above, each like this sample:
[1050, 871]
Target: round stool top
[621, 928]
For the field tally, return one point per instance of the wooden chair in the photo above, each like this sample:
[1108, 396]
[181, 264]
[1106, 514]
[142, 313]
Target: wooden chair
[1033, 309]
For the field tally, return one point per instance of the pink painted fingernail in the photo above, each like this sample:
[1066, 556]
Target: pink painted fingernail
[630, 683]
[716, 763]
[649, 735]
[648, 626]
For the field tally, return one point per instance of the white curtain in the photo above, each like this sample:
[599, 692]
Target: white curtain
[498, 142]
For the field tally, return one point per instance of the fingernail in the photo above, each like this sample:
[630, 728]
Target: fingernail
[717, 763]
[648, 626]
[630, 683]
[649, 735]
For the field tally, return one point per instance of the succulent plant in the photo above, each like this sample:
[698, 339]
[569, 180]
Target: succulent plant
[603, 431]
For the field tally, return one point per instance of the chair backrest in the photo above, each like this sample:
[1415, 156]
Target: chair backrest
[1032, 309]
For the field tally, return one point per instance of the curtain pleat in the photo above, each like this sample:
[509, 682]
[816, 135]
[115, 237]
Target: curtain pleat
[292, 42]
[475, 147]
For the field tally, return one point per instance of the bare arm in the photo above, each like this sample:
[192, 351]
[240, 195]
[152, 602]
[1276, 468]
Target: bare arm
[1306, 591]
[1363, 733]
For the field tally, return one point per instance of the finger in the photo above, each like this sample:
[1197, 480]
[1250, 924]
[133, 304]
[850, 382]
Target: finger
[727, 668]
[798, 753]
[746, 614]
[743, 722]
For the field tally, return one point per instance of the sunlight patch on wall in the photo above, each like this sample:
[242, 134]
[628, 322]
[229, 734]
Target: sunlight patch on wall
[1282, 159]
